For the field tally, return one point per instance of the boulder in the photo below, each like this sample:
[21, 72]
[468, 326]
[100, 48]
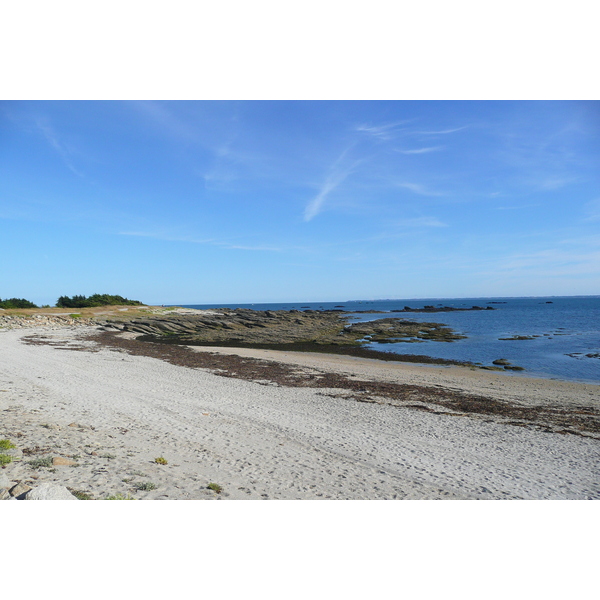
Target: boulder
[19, 489]
[49, 491]
[501, 361]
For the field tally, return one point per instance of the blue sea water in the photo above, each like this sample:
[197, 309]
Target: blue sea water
[568, 330]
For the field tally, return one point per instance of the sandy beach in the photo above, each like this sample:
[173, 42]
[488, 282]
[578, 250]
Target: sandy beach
[67, 393]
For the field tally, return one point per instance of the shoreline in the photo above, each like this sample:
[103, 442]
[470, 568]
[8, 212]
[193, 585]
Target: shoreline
[360, 353]
[65, 393]
[481, 380]
[286, 331]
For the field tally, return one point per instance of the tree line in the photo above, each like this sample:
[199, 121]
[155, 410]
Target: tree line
[74, 302]
[94, 300]
[16, 303]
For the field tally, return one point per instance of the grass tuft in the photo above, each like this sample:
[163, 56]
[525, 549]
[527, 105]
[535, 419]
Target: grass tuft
[120, 497]
[5, 459]
[81, 495]
[6, 445]
[215, 487]
[161, 461]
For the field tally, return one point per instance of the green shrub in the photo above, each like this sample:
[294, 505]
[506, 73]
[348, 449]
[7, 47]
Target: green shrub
[6, 445]
[161, 461]
[215, 487]
[145, 487]
[5, 459]
[38, 463]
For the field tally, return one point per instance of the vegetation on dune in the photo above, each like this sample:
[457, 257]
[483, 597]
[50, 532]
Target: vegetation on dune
[95, 300]
[16, 303]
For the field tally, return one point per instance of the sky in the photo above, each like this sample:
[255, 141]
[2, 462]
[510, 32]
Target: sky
[200, 202]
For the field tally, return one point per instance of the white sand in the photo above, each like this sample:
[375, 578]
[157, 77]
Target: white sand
[264, 441]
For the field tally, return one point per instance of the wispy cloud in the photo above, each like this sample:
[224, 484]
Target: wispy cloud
[554, 183]
[338, 172]
[441, 132]
[421, 150]
[166, 120]
[553, 262]
[62, 150]
[383, 132]
[417, 188]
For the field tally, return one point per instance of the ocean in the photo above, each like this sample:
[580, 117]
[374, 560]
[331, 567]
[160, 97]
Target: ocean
[566, 329]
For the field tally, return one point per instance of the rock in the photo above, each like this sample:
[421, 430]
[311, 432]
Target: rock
[4, 481]
[60, 461]
[19, 489]
[53, 426]
[5, 494]
[501, 361]
[49, 491]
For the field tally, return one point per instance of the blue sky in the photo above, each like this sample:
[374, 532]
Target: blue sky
[256, 201]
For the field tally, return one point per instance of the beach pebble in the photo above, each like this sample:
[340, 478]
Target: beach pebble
[60, 461]
[49, 491]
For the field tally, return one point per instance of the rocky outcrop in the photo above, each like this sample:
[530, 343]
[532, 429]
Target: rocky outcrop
[50, 321]
[245, 326]
[399, 330]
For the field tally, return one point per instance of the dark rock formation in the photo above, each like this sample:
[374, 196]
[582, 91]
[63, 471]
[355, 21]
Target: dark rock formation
[283, 327]
[433, 309]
